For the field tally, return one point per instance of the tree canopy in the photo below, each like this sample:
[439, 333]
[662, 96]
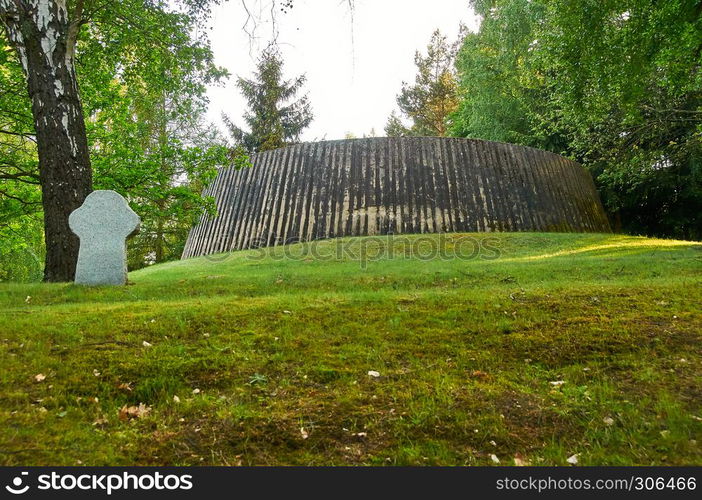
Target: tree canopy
[275, 118]
[142, 68]
[430, 101]
[614, 84]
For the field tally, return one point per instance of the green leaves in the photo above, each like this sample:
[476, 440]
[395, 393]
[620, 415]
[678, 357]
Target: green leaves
[143, 68]
[614, 84]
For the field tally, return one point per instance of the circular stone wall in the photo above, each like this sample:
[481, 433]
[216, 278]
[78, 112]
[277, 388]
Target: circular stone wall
[395, 185]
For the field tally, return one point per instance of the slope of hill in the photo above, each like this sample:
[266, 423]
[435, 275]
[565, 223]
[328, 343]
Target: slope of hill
[442, 349]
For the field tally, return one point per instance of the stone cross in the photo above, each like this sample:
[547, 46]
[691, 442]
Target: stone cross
[103, 223]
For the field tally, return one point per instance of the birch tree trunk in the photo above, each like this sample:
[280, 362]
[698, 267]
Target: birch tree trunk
[45, 39]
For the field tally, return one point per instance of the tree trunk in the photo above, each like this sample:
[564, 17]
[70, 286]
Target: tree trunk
[45, 42]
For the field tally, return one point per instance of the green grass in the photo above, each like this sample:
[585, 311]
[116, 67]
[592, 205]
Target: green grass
[467, 350]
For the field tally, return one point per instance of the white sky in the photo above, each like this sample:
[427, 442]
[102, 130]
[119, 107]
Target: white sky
[351, 86]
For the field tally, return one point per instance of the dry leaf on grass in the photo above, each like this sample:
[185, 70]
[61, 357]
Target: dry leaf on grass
[39, 377]
[127, 412]
[101, 421]
[480, 374]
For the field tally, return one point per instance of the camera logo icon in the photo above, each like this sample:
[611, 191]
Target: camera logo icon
[17, 483]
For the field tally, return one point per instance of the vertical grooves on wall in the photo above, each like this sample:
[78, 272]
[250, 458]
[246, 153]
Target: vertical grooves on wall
[395, 185]
[219, 233]
[281, 194]
[263, 230]
[207, 224]
[290, 209]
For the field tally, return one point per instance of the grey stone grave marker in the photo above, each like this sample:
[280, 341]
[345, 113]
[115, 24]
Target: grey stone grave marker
[103, 223]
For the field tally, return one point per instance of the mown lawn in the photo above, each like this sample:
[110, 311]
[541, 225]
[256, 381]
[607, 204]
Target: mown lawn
[539, 348]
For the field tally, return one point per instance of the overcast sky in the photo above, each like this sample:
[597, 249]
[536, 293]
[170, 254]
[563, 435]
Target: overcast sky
[352, 80]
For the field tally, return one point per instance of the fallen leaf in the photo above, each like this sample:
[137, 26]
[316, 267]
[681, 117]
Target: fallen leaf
[557, 383]
[127, 412]
[39, 377]
[96, 373]
[196, 391]
[480, 374]
[287, 312]
[573, 459]
[125, 387]
[146, 344]
[176, 399]
[373, 373]
[608, 420]
[520, 461]
[494, 458]
[303, 432]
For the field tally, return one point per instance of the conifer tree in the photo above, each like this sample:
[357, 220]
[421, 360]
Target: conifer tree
[433, 97]
[274, 118]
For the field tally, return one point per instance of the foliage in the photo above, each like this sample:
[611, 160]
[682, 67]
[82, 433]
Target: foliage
[614, 84]
[143, 68]
[274, 118]
[431, 100]
[21, 242]
[21, 247]
[499, 87]
[467, 351]
[630, 95]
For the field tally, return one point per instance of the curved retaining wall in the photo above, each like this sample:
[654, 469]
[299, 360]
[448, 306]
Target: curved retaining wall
[395, 185]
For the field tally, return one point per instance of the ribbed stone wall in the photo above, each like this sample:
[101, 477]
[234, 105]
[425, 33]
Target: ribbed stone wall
[395, 185]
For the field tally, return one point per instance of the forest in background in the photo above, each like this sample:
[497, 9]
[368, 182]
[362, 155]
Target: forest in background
[613, 84]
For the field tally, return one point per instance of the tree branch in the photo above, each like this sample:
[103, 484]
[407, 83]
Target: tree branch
[73, 29]
[19, 134]
[23, 202]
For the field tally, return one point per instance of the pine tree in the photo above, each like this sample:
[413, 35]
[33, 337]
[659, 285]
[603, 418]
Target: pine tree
[274, 118]
[433, 97]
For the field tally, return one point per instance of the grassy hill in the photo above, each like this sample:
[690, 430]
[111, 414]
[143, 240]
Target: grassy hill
[537, 346]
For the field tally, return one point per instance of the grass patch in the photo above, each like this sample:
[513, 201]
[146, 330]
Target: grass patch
[541, 346]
